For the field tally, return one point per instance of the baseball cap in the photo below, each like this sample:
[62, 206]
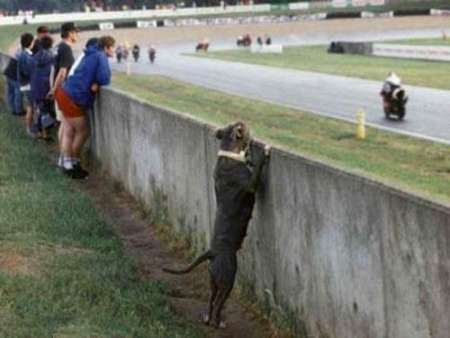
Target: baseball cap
[69, 27]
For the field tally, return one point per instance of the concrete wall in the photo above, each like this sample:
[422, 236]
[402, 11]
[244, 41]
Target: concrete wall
[349, 257]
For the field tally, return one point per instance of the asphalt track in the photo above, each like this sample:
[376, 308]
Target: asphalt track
[428, 110]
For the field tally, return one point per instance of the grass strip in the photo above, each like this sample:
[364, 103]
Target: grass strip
[443, 42]
[398, 160]
[433, 74]
[63, 271]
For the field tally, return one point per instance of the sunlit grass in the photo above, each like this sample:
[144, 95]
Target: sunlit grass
[316, 59]
[399, 160]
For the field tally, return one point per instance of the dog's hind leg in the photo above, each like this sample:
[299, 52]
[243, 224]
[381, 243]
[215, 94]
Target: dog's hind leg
[222, 296]
[212, 298]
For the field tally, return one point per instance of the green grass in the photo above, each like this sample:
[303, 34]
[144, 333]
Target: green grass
[316, 59]
[63, 272]
[10, 34]
[424, 42]
[412, 164]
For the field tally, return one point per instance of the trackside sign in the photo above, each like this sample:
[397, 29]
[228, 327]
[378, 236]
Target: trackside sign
[438, 53]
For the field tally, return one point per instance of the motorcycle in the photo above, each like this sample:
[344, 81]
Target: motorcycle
[394, 104]
[151, 54]
[136, 53]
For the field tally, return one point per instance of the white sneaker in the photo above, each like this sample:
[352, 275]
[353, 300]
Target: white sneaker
[60, 162]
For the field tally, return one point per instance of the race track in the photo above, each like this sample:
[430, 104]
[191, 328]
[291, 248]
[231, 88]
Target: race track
[428, 111]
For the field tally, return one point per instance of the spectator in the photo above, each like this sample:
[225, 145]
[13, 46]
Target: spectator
[13, 94]
[43, 62]
[24, 69]
[92, 42]
[259, 41]
[151, 53]
[41, 31]
[77, 96]
[136, 52]
[119, 53]
[63, 62]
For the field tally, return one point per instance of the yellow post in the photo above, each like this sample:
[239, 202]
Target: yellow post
[360, 125]
[127, 47]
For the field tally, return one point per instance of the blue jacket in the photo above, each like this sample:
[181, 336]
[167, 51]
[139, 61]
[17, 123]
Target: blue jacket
[24, 67]
[40, 76]
[93, 68]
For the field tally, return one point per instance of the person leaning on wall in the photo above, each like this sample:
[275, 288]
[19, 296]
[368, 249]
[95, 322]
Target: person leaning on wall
[76, 97]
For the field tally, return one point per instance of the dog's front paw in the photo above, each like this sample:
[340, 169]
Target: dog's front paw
[220, 324]
[267, 149]
[205, 318]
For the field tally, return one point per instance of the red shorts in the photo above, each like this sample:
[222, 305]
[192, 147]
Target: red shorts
[68, 108]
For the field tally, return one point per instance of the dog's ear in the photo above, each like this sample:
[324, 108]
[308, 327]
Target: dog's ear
[219, 133]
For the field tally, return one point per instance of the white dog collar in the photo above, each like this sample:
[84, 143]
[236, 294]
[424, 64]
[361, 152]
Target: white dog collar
[235, 156]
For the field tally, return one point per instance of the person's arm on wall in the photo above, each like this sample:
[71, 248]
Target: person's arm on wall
[103, 75]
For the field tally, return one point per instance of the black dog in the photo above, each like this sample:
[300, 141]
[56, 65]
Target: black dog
[235, 185]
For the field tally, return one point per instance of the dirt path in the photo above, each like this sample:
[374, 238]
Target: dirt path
[188, 294]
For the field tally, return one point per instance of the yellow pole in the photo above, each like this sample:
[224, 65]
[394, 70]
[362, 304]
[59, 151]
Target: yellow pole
[127, 46]
[360, 125]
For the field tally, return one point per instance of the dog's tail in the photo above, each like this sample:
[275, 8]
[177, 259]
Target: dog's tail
[205, 256]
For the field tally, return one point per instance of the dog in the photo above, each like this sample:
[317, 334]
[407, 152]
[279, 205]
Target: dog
[236, 181]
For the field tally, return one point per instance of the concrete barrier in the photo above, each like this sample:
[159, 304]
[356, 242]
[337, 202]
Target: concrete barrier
[345, 255]
[362, 48]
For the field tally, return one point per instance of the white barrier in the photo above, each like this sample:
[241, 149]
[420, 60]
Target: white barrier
[299, 6]
[106, 26]
[377, 15]
[146, 24]
[276, 49]
[438, 53]
[440, 12]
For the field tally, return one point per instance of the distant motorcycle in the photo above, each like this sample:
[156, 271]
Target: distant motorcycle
[202, 46]
[394, 97]
[151, 54]
[136, 53]
[245, 40]
[395, 104]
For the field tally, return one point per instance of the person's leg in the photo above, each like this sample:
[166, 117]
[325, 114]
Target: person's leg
[74, 137]
[81, 135]
[10, 94]
[60, 118]
[17, 98]
[29, 118]
[67, 138]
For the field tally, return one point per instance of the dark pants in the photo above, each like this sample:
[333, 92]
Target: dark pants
[14, 96]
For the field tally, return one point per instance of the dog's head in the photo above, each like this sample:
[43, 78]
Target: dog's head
[234, 137]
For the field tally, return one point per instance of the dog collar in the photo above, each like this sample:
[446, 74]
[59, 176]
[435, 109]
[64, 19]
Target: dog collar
[234, 156]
